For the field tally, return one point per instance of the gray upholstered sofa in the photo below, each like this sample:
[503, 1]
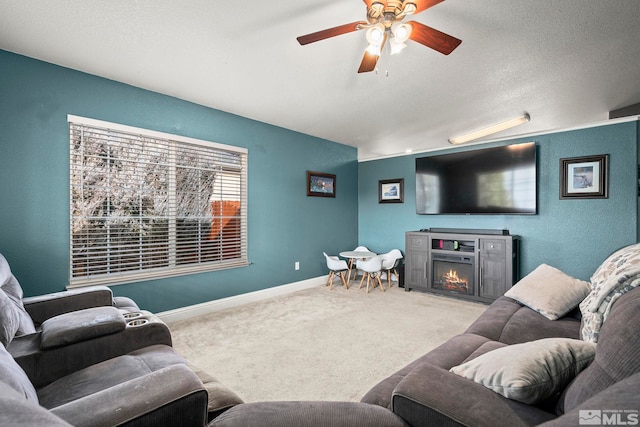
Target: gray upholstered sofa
[150, 386]
[88, 359]
[602, 377]
[427, 393]
[73, 331]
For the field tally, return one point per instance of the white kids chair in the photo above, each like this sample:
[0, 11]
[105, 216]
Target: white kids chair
[336, 265]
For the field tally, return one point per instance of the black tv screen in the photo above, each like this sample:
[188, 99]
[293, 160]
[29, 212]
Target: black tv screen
[497, 180]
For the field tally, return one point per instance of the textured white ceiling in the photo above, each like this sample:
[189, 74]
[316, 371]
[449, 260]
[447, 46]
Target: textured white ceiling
[565, 62]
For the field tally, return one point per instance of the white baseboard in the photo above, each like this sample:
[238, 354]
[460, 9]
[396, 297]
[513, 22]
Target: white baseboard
[237, 300]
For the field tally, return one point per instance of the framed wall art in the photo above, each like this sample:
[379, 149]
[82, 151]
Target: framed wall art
[391, 191]
[321, 184]
[584, 177]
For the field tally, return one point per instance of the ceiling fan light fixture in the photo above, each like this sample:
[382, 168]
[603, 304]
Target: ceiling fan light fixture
[375, 37]
[377, 6]
[375, 34]
[374, 49]
[396, 46]
[401, 32]
[498, 127]
[409, 8]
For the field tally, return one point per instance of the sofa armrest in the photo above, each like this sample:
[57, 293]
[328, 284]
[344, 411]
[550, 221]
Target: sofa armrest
[308, 414]
[81, 325]
[17, 411]
[430, 396]
[619, 403]
[43, 366]
[43, 307]
[170, 396]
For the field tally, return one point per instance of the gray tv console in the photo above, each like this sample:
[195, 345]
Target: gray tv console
[478, 265]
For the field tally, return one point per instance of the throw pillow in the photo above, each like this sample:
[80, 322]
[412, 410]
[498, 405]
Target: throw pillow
[529, 372]
[9, 284]
[549, 291]
[9, 320]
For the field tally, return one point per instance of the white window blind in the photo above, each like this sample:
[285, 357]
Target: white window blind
[147, 205]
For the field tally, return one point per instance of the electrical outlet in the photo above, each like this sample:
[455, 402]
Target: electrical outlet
[297, 265]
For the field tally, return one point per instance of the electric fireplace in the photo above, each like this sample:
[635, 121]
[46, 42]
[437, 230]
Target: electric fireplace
[476, 265]
[453, 273]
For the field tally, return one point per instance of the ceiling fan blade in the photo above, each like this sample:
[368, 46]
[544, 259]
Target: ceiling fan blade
[331, 32]
[430, 37]
[370, 60]
[422, 5]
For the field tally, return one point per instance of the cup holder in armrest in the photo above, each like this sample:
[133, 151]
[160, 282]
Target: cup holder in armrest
[137, 322]
[132, 315]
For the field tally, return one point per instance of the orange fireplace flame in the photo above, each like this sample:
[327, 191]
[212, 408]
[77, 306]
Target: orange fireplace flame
[452, 280]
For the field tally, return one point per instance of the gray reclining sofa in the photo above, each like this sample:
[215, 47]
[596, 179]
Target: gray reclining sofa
[85, 358]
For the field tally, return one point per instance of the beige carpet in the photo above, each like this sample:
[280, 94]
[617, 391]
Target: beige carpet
[318, 344]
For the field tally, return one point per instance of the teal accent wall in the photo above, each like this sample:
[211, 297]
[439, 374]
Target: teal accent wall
[284, 224]
[572, 235]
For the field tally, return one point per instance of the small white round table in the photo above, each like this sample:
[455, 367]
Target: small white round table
[355, 255]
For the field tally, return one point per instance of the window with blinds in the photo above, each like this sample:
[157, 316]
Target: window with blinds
[146, 204]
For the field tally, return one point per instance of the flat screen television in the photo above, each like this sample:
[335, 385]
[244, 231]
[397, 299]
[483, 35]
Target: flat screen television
[497, 180]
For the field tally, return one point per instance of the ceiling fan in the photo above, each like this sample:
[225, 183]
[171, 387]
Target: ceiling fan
[385, 22]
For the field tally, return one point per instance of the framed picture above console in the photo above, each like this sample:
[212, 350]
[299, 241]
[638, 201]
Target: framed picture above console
[584, 177]
[391, 190]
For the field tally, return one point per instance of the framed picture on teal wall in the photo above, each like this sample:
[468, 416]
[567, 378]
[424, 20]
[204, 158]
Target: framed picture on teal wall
[584, 177]
[321, 184]
[391, 191]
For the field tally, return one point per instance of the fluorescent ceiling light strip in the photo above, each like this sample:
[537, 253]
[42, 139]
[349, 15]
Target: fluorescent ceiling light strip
[498, 127]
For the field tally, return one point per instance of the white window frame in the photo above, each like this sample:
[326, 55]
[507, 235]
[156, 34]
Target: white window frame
[227, 164]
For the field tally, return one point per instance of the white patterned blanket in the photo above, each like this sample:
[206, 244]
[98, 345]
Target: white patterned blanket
[617, 275]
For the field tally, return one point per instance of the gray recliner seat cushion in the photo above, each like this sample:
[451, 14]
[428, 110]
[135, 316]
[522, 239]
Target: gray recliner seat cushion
[108, 374]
